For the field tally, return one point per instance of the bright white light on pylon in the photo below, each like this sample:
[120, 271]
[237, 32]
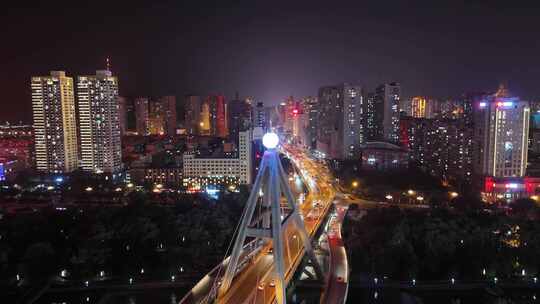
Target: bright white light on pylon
[270, 140]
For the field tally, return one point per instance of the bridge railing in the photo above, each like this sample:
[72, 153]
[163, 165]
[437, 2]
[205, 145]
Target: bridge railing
[205, 291]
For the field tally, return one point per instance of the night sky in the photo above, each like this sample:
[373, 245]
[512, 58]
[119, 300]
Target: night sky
[271, 50]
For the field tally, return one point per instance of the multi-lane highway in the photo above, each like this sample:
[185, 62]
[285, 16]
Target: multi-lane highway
[255, 283]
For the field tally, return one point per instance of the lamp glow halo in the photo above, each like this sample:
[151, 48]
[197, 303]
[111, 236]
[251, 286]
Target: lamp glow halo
[270, 140]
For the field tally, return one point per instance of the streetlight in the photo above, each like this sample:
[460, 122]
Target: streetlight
[355, 184]
[411, 192]
[420, 198]
[454, 194]
[270, 140]
[89, 189]
[388, 197]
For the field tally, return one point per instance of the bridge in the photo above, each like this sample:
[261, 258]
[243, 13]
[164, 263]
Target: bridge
[274, 237]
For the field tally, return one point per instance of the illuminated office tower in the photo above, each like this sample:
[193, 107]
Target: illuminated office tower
[141, 115]
[53, 105]
[99, 122]
[501, 131]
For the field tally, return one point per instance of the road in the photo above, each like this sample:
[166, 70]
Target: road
[338, 280]
[254, 284]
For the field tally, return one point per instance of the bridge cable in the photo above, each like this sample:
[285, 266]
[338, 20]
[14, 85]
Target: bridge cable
[228, 249]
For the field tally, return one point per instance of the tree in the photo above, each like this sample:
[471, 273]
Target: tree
[39, 261]
[523, 207]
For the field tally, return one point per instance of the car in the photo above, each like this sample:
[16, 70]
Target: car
[270, 250]
[261, 286]
[272, 283]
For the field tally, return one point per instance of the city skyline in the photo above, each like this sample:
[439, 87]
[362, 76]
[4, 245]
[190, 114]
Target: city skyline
[273, 51]
[271, 153]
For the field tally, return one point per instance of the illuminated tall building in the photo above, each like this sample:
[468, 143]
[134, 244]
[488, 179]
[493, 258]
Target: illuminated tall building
[156, 118]
[53, 105]
[192, 114]
[99, 123]
[340, 121]
[387, 98]
[141, 115]
[419, 107]
[218, 115]
[422, 107]
[204, 119]
[312, 112]
[501, 130]
[372, 119]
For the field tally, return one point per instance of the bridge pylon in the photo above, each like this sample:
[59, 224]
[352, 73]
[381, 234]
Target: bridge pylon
[270, 194]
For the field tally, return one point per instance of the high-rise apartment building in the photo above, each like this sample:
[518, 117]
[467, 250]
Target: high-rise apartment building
[387, 99]
[501, 130]
[442, 146]
[312, 112]
[373, 115]
[341, 127]
[141, 115]
[53, 105]
[99, 123]
[123, 114]
[192, 114]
